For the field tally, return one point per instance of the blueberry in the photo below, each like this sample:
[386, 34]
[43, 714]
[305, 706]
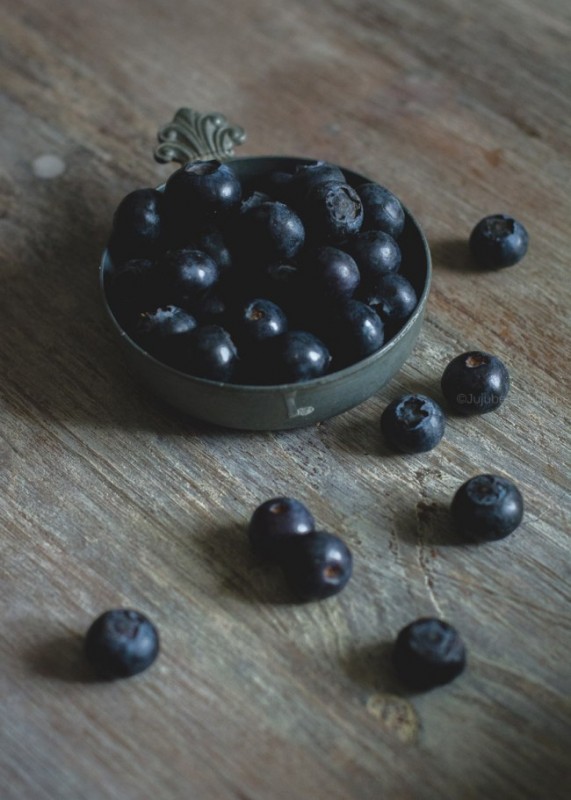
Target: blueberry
[270, 231]
[332, 211]
[427, 653]
[211, 354]
[121, 643]
[383, 211]
[498, 241]
[475, 383]
[203, 190]
[134, 285]
[254, 200]
[281, 282]
[375, 252]
[292, 357]
[210, 309]
[393, 297]
[355, 331]
[162, 332]
[317, 565]
[210, 240]
[487, 507]
[275, 520]
[257, 320]
[137, 226]
[306, 176]
[413, 423]
[279, 186]
[189, 272]
[330, 272]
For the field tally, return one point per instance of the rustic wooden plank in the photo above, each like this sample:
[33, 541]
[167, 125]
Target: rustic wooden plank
[108, 498]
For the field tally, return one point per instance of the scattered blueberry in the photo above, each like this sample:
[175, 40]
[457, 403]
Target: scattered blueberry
[375, 252]
[427, 653]
[475, 383]
[316, 565]
[413, 423]
[275, 520]
[487, 507]
[383, 211]
[121, 643]
[498, 241]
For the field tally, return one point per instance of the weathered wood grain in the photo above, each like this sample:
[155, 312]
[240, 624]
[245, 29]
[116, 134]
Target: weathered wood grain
[109, 498]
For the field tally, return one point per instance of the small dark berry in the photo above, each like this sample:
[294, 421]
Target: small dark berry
[275, 520]
[270, 231]
[306, 176]
[392, 296]
[427, 653]
[293, 357]
[134, 285]
[475, 383]
[487, 507]
[354, 331]
[383, 211]
[209, 240]
[258, 320]
[121, 643]
[375, 252]
[316, 565]
[332, 211]
[190, 273]
[210, 309]
[413, 423]
[211, 354]
[162, 332]
[203, 190]
[330, 272]
[137, 226]
[498, 241]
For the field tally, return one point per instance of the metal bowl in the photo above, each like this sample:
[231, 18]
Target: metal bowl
[289, 405]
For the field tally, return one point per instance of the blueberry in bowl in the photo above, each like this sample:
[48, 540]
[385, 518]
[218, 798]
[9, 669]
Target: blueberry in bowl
[280, 320]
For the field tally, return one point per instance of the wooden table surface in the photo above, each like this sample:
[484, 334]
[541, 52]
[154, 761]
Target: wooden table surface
[110, 499]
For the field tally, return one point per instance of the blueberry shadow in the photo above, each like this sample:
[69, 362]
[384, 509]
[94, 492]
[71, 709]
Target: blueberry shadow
[61, 658]
[453, 254]
[239, 572]
[371, 667]
[427, 523]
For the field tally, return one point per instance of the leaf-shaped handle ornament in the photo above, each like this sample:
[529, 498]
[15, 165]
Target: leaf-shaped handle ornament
[192, 136]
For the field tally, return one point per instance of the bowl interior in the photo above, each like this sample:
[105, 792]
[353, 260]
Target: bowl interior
[286, 405]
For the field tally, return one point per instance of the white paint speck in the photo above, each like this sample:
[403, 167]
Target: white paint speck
[48, 166]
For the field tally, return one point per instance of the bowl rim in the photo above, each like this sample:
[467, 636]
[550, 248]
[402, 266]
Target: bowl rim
[323, 380]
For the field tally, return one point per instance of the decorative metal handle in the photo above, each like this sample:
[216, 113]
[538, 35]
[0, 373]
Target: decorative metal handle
[192, 136]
